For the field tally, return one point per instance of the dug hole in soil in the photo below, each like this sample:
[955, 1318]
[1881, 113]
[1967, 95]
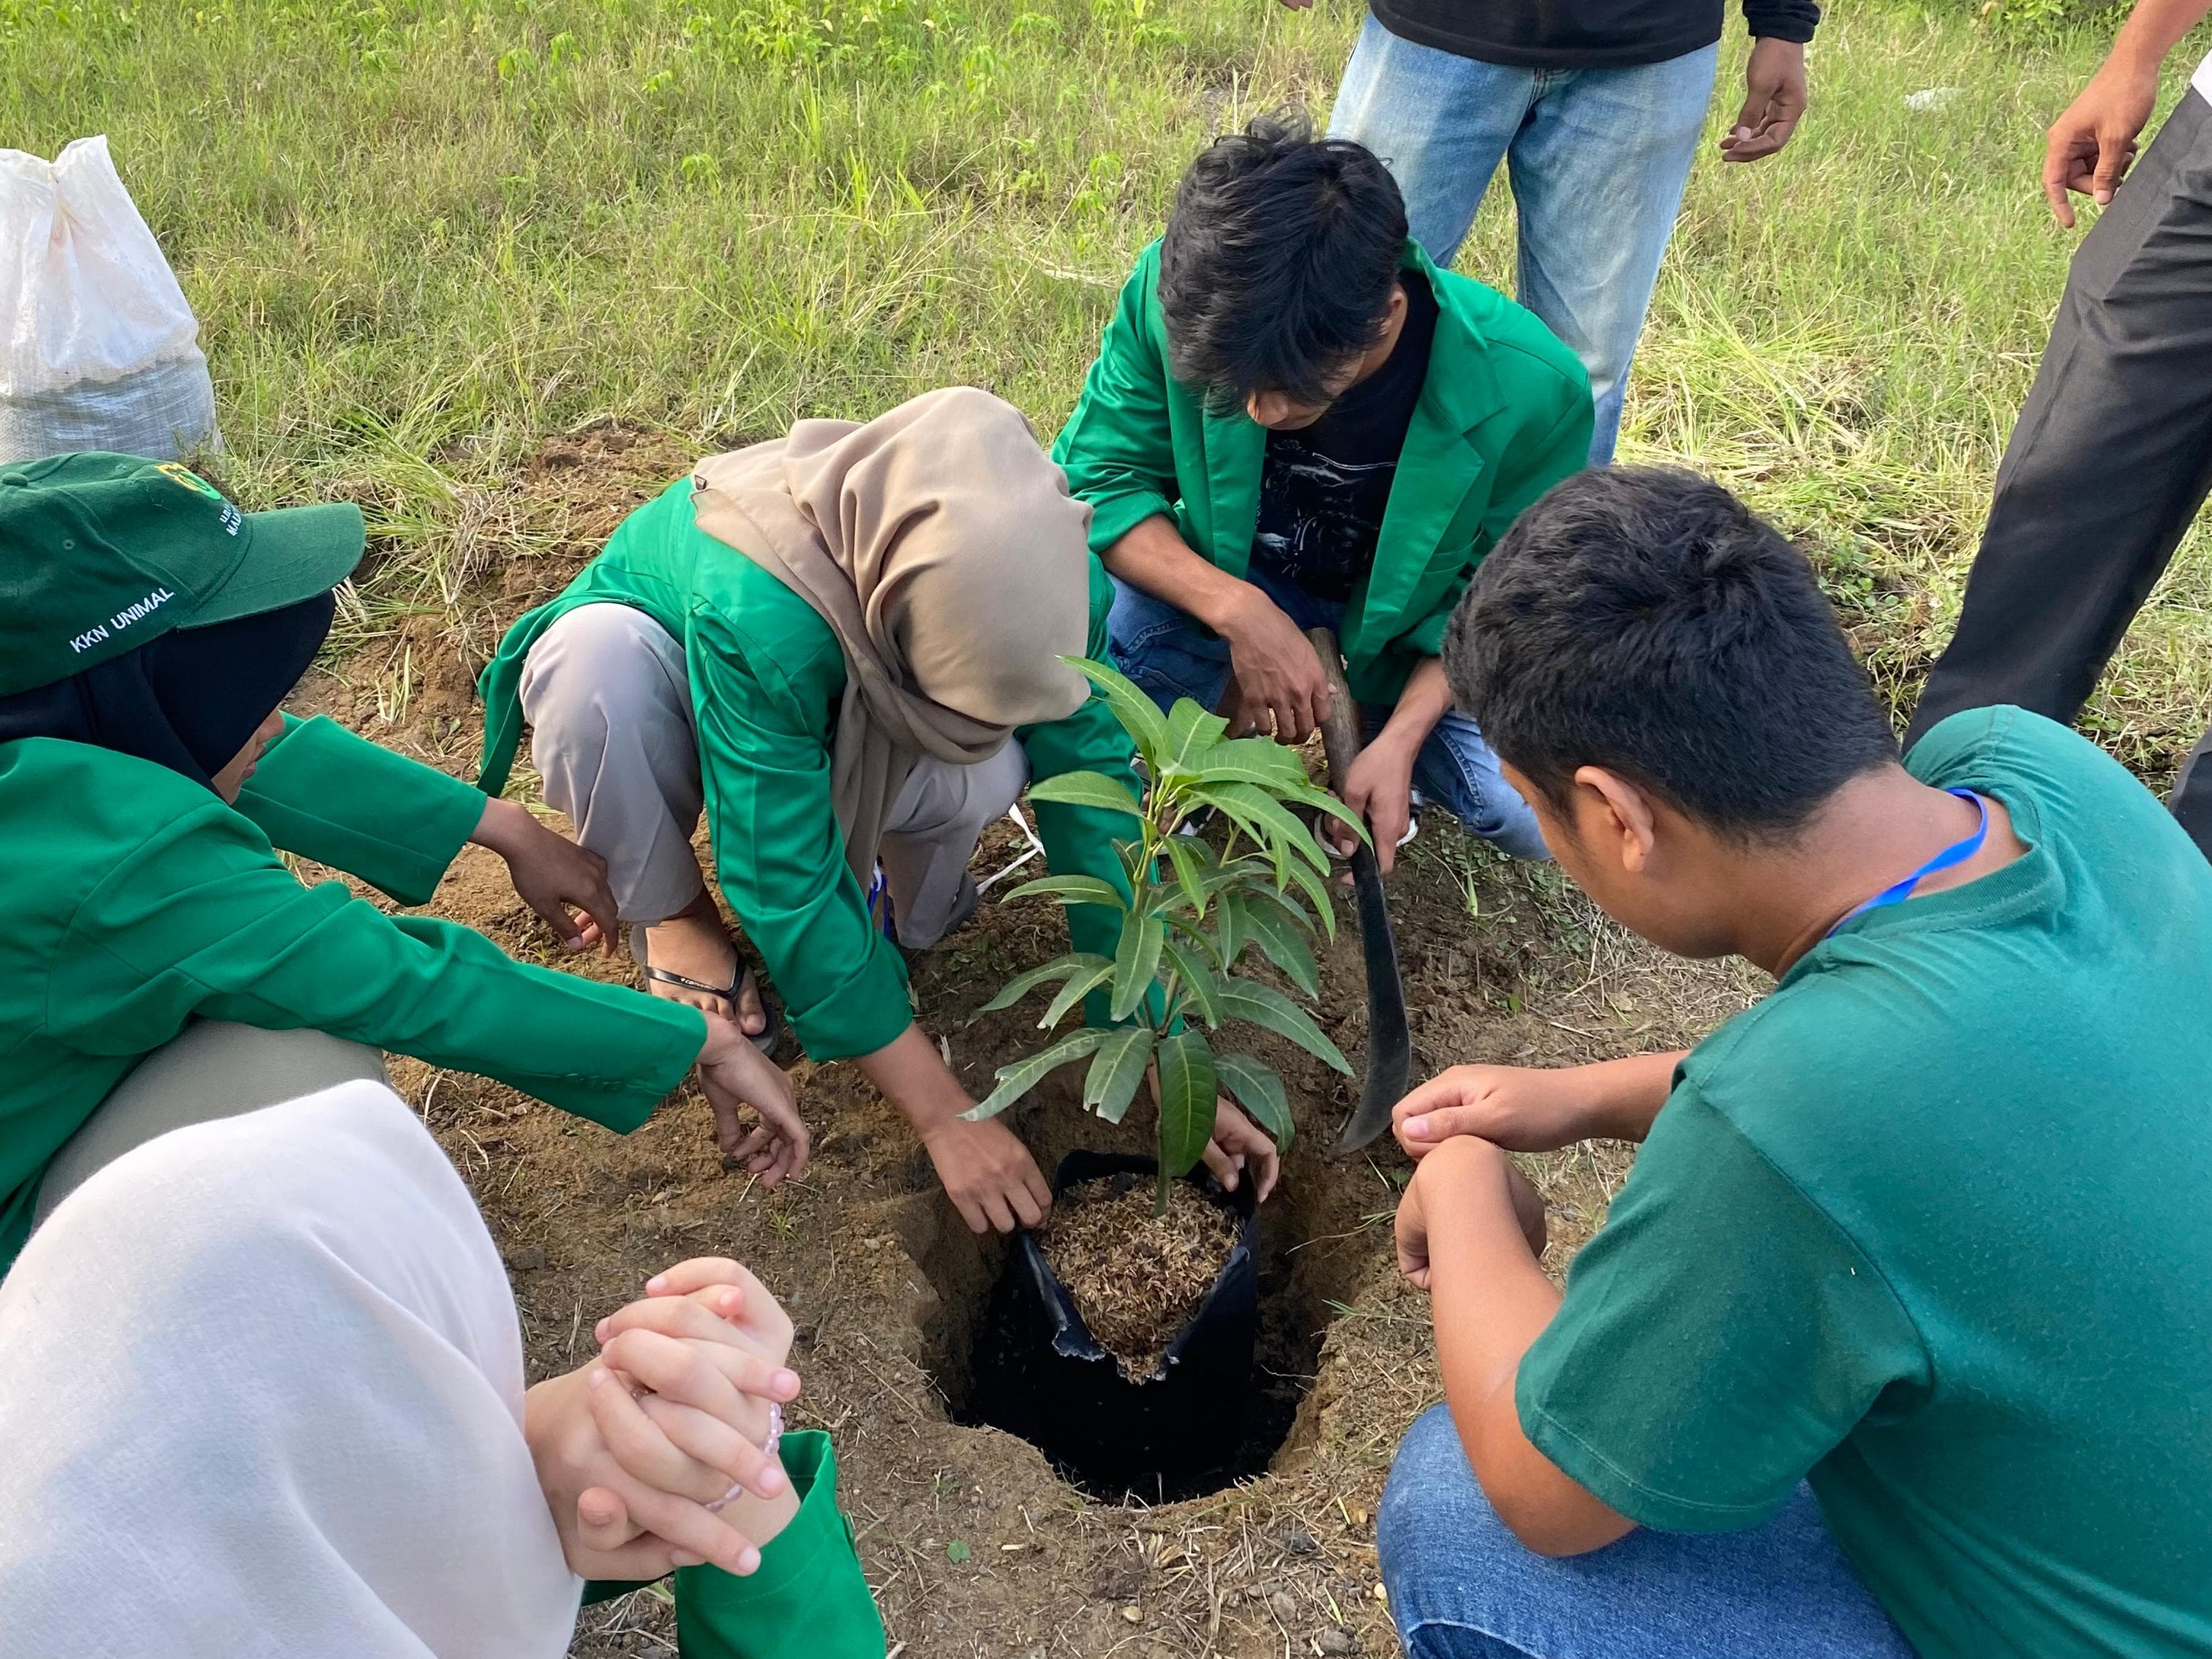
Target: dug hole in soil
[974, 1544]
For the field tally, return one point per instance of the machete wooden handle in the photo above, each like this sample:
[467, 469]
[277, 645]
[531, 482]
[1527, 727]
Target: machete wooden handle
[1339, 731]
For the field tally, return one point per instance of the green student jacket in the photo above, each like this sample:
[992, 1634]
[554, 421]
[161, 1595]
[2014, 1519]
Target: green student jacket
[138, 900]
[1505, 414]
[766, 677]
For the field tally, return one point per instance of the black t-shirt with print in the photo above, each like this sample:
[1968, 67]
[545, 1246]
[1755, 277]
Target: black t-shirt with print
[1324, 487]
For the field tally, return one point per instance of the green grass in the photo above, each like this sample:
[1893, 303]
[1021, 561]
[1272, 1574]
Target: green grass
[421, 235]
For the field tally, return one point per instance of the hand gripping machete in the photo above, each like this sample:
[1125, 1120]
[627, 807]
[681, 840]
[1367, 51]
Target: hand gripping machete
[1389, 1041]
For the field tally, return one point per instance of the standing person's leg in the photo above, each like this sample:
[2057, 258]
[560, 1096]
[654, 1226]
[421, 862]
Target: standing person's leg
[1598, 172]
[212, 1069]
[1440, 121]
[2191, 800]
[2112, 455]
[1461, 1586]
[930, 840]
[608, 701]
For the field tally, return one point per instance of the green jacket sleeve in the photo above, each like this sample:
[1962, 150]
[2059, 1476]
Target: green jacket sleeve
[1525, 471]
[809, 1595]
[1117, 447]
[328, 795]
[201, 919]
[1079, 841]
[764, 762]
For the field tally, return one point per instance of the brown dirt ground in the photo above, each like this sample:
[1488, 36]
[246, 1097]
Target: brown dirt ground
[1502, 964]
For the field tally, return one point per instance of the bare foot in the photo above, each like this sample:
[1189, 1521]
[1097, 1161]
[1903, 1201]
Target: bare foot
[692, 943]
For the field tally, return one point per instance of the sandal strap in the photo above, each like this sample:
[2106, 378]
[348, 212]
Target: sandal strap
[669, 976]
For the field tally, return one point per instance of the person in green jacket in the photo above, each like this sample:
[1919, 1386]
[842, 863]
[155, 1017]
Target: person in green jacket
[148, 629]
[847, 646]
[1296, 421]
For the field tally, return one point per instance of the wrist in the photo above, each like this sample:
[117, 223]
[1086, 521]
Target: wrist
[502, 825]
[1228, 612]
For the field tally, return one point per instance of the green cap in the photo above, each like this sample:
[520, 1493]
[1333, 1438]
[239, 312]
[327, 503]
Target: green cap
[100, 553]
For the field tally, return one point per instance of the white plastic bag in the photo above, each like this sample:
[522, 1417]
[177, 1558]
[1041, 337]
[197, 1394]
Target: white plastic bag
[98, 349]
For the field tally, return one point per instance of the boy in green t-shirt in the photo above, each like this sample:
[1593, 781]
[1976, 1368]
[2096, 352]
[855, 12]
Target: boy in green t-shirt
[1895, 1340]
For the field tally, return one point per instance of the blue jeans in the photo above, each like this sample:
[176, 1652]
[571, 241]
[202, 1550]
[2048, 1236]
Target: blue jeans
[1598, 159]
[1172, 655]
[1462, 1586]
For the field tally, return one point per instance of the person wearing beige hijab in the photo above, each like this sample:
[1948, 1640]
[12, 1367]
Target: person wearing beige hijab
[845, 647]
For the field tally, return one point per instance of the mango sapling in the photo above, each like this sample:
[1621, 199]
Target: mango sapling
[1194, 913]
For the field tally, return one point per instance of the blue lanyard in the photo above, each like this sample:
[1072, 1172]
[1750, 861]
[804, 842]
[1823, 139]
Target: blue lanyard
[1957, 852]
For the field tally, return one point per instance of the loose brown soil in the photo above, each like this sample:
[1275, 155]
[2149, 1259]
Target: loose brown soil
[1136, 1277]
[887, 1287]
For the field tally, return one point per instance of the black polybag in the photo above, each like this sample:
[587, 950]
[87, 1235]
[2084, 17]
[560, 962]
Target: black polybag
[1186, 1421]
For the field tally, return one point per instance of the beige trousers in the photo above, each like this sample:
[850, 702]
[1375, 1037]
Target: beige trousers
[609, 702]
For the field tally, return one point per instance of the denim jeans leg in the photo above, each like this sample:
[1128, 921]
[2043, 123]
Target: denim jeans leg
[1458, 769]
[1461, 1586]
[1440, 122]
[1167, 652]
[1598, 172]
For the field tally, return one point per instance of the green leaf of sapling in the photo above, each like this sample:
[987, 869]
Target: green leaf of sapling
[1018, 1078]
[1092, 789]
[1136, 961]
[1259, 1091]
[1073, 889]
[1192, 732]
[1198, 980]
[1139, 716]
[1264, 1006]
[1022, 984]
[1187, 1096]
[1116, 1069]
[1075, 990]
[1284, 946]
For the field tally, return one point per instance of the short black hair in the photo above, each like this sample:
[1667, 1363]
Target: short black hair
[1644, 620]
[1279, 261]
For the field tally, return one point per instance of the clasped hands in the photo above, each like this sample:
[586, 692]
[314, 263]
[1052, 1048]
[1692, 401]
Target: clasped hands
[659, 1453]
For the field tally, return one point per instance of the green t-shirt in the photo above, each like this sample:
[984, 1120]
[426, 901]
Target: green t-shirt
[1931, 1227]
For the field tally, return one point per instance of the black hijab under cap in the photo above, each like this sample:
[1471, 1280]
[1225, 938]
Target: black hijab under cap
[188, 700]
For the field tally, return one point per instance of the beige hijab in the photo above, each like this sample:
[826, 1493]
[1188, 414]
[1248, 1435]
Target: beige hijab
[942, 546]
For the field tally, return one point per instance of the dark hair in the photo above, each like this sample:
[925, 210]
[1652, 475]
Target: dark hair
[1279, 261]
[1643, 619]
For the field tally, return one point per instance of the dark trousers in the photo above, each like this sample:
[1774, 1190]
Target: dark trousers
[2109, 461]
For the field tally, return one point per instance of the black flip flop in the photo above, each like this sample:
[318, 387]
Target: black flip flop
[767, 1039]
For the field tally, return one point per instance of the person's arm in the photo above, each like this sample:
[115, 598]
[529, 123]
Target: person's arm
[332, 796]
[1460, 1238]
[201, 919]
[1719, 1337]
[765, 768]
[1279, 679]
[1379, 783]
[2091, 144]
[1529, 1108]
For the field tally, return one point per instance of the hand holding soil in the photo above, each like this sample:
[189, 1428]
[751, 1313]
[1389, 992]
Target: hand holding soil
[987, 1174]
[558, 880]
[734, 1073]
[1238, 1144]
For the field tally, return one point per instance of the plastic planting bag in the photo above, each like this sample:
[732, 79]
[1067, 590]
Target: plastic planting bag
[98, 349]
